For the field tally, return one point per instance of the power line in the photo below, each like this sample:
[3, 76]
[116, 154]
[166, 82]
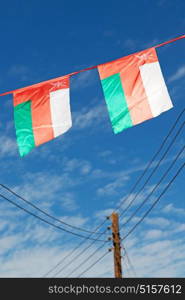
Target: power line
[159, 181]
[133, 188]
[152, 160]
[155, 202]
[130, 265]
[91, 266]
[155, 187]
[44, 212]
[76, 257]
[126, 266]
[73, 251]
[153, 171]
[47, 222]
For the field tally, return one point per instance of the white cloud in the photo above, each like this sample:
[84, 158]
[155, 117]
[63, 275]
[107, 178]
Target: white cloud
[102, 214]
[89, 118]
[158, 221]
[162, 258]
[180, 228]
[112, 187]
[3, 224]
[71, 165]
[154, 234]
[75, 220]
[68, 201]
[84, 79]
[8, 147]
[134, 44]
[171, 208]
[159, 258]
[151, 43]
[39, 234]
[43, 185]
[130, 43]
[36, 262]
[105, 153]
[8, 243]
[180, 73]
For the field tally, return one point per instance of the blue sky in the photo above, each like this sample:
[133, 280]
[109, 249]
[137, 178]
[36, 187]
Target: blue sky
[81, 176]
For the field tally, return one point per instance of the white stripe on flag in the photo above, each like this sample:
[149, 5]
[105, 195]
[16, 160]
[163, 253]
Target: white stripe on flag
[60, 111]
[155, 88]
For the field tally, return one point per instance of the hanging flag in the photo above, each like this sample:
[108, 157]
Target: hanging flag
[134, 89]
[41, 113]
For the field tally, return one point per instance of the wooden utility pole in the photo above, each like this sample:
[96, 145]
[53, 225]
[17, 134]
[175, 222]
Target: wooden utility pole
[116, 245]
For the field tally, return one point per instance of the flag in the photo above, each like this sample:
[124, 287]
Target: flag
[134, 89]
[41, 113]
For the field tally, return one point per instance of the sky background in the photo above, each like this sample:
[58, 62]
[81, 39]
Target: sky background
[81, 176]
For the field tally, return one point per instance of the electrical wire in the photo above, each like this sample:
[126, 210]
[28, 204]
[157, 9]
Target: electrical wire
[76, 257]
[47, 222]
[155, 202]
[44, 212]
[130, 265]
[125, 266]
[151, 161]
[73, 251]
[85, 260]
[128, 259]
[93, 264]
[155, 187]
[133, 188]
[153, 171]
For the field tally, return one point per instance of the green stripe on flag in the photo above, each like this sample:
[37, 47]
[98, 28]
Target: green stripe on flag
[116, 103]
[23, 125]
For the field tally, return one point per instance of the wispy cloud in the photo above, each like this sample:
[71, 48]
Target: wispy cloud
[112, 187]
[84, 79]
[170, 208]
[71, 165]
[153, 252]
[154, 234]
[180, 73]
[89, 118]
[68, 201]
[8, 147]
[158, 221]
[104, 213]
[76, 220]
[136, 44]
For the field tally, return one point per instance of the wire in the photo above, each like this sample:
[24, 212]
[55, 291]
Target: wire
[44, 212]
[155, 202]
[85, 260]
[153, 171]
[133, 188]
[76, 257]
[127, 235]
[73, 251]
[86, 69]
[130, 265]
[47, 222]
[91, 266]
[151, 161]
[155, 187]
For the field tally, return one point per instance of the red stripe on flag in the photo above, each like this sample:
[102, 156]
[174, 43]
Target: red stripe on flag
[133, 86]
[41, 117]
[135, 96]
